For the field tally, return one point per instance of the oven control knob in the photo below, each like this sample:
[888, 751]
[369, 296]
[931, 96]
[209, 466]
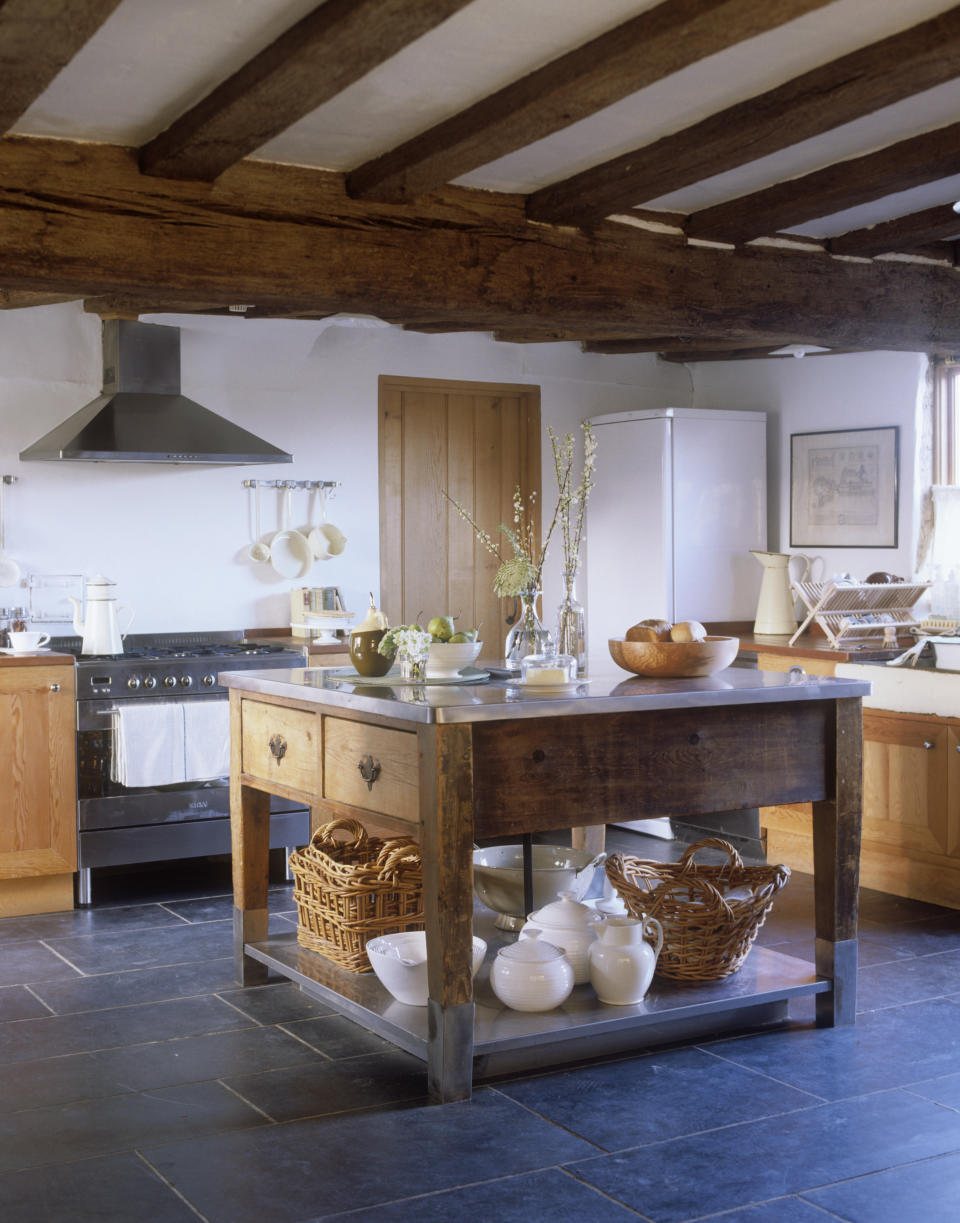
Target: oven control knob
[208, 681]
[186, 681]
[133, 682]
[169, 681]
[150, 681]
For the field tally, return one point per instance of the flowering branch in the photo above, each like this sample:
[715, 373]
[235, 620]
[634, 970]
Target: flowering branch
[572, 502]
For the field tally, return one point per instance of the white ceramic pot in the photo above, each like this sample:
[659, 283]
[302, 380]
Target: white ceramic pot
[622, 961]
[498, 878]
[531, 976]
[569, 925]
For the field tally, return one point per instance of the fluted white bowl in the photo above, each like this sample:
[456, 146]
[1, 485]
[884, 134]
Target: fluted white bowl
[400, 962]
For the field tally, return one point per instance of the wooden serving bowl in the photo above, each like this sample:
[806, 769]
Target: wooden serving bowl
[674, 659]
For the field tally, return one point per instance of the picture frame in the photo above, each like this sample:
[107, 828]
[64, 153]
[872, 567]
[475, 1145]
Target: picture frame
[844, 488]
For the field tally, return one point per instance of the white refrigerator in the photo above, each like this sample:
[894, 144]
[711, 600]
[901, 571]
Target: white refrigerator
[679, 501]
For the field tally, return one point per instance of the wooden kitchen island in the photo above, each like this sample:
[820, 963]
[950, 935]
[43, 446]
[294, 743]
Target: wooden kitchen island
[450, 764]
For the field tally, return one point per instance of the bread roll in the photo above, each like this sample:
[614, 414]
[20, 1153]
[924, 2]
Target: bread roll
[649, 630]
[688, 630]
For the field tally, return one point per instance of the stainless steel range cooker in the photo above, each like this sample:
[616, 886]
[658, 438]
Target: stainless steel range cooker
[122, 822]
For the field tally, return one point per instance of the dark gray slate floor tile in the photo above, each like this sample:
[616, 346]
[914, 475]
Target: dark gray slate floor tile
[32, 1039]
[24, 963]
[928, 976]
[610, 1104]
[52, 1081]
[105, 990]
[16, 930]
[926, 1191]
[279, 1003]
[892, 910]
[113, 1189]
[945, 1090]
[782, 1210]
[80, 922]
[119, 1123]
[869, 950]
[220, 908]
[336, 1036]
[738, 1165]
[887, 1048]
[923, 937]
[117, 950]
[192, 1059]
[325, 1087]
[288, 1172]
[552, 1196]
[17, 1002]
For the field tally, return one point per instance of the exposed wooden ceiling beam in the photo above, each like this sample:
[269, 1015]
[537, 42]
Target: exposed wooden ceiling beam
[900, 234]
[846, 89]
[743, 354]
[845, 184]
[120, 306]
[283, 235]
[644, 49]
[19, 300]
[329, 49]
[680, 344]
[37, 39]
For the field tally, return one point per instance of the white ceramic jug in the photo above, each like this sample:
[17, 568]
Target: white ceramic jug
[622, 961]
[100, 629]
[776, 610]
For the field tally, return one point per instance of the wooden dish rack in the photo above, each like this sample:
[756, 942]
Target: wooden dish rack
[859, 611]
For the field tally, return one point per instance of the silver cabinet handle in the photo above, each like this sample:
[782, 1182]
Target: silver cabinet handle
[54, 687]
[928, 745]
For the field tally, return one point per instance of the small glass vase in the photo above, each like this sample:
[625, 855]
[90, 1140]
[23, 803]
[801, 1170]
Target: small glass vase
[571, 624]
[413, 667]
[527, 636]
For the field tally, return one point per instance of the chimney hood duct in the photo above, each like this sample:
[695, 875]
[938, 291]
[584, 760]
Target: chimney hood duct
[141, 417]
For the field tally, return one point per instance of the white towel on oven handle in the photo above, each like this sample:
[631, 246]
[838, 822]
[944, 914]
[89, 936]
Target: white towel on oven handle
[206, 739]
[148, 744]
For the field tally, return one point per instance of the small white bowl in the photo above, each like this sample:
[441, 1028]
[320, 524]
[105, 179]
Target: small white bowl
[400, 962]
[447, 659]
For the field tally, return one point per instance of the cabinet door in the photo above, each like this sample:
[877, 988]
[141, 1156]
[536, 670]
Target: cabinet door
[905, 766]
[953, 790]
[38, 801]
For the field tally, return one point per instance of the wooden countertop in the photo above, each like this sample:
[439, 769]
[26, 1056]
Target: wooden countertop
[809, 645]
[37, 658]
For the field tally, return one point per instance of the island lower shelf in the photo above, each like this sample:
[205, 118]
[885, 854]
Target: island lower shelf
[766, 979]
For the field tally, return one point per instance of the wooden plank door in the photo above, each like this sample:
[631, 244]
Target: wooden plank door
[478, 441]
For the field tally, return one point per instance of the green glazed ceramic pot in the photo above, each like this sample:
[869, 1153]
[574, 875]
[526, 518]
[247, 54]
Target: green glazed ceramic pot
[364, 654]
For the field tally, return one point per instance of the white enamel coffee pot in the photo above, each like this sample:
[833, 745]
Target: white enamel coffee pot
[622, 961]
[100, 629]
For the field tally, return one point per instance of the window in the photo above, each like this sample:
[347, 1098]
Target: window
[946, 422]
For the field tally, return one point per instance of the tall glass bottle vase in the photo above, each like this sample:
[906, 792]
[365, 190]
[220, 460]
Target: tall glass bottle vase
[571, 624]
[528, 636]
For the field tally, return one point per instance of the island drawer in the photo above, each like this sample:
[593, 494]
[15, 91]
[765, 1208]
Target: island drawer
[371, 767]
[281, 745]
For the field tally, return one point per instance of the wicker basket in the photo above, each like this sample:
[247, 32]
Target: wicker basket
[353, 887]
[710, 914]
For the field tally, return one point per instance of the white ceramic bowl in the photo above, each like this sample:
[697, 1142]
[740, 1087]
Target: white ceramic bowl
[447, 659]
[498, 877]
[400, 962]
[532, 975]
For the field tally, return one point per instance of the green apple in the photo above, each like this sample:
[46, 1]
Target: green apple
[440, 628]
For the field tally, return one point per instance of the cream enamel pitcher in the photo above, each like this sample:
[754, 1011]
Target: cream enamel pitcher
[100, 629]
[776, 610]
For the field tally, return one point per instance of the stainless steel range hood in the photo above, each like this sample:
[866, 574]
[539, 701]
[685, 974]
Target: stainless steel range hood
[141, 417]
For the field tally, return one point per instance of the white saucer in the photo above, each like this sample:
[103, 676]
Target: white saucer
[41, 649]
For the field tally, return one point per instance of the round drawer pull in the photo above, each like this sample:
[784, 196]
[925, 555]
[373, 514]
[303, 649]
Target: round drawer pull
[278, 747]
[928, 745]
[369, 770]
[54, 687]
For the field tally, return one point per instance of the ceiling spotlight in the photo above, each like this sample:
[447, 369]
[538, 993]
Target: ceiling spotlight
[796, 350]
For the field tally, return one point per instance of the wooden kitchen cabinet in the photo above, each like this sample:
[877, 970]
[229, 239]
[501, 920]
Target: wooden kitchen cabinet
[38, 801]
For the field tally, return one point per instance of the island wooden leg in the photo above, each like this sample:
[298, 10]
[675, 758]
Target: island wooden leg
[250, 846]
[836, 868]
[446, 807]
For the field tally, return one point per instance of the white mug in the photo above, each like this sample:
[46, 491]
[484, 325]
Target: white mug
[23, 643]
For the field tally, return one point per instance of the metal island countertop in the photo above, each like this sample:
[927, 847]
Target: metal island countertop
[607, 690]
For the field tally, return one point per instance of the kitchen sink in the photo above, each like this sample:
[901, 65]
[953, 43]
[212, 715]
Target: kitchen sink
[907, 689]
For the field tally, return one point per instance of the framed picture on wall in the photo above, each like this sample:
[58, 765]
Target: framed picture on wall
[844, 488]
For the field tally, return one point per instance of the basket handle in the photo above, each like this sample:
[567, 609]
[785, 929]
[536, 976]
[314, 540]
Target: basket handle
[395, 854]
[356, 836]
[686, 860]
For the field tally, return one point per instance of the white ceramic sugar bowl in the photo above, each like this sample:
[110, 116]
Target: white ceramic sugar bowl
[531, 975]
[622, 961]
[569, 925]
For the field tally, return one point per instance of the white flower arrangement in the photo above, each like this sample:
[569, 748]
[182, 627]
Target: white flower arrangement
[407, 640]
